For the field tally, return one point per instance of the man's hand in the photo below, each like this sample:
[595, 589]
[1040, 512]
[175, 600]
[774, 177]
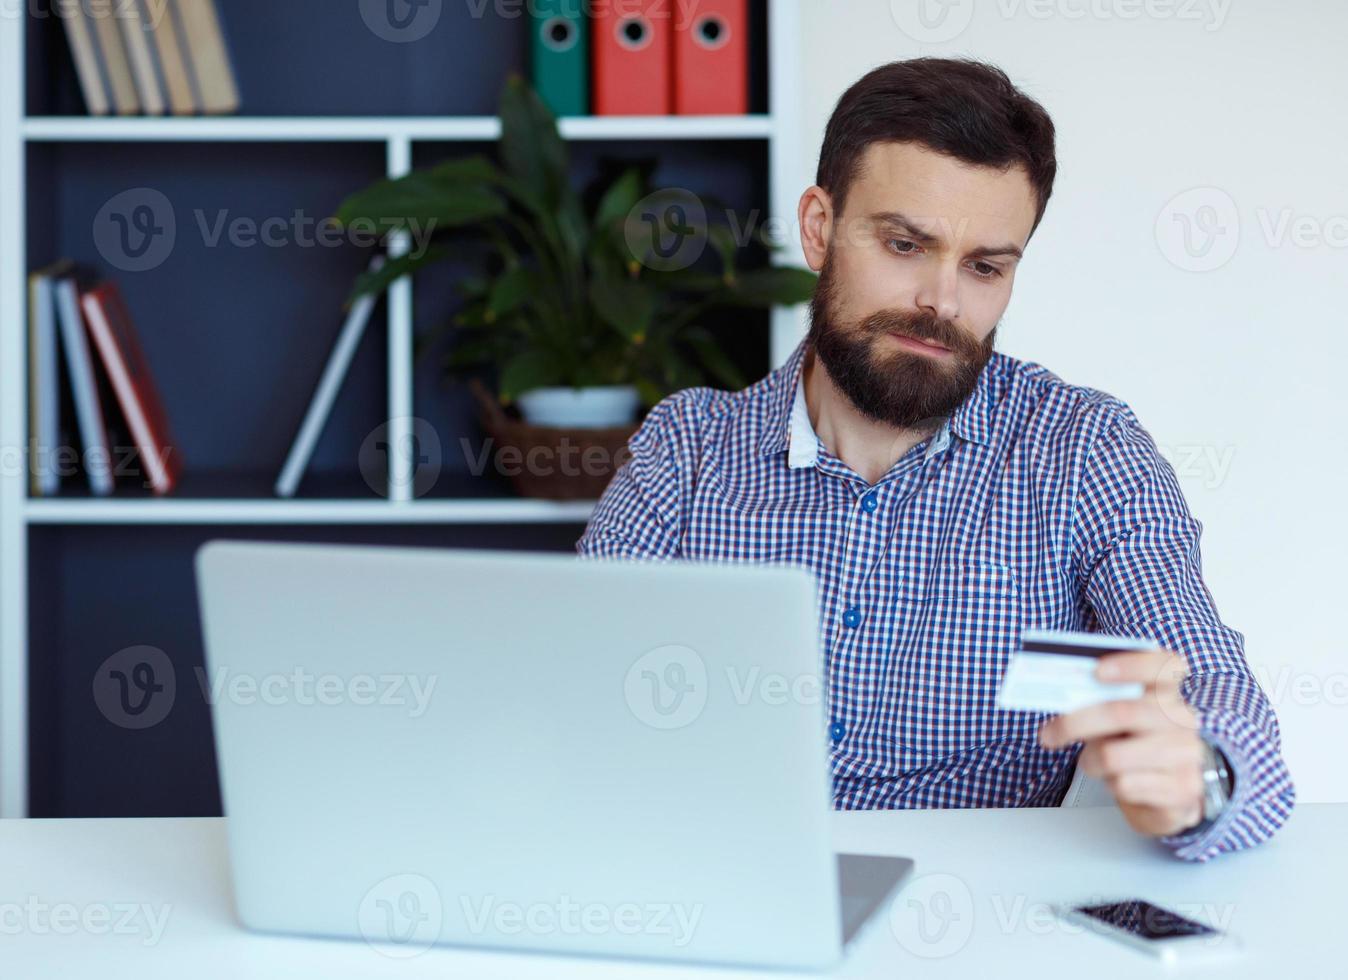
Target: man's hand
[1148, 750]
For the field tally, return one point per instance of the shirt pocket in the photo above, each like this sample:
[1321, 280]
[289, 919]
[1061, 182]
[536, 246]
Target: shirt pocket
[959, 635]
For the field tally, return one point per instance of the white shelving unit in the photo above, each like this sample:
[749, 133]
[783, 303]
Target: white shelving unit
[169, 511]
[788, 174]
[393, 129]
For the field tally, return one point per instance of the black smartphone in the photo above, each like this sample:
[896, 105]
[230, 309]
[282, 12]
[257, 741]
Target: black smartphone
[1151, 928]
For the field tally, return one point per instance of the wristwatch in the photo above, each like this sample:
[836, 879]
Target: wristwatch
[1218, 784]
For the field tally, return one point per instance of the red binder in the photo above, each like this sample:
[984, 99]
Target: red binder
[711, 59]
[632, 58]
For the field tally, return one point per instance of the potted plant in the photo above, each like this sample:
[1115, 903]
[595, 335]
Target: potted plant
[586, 313]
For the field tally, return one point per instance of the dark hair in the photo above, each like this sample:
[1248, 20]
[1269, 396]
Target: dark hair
[963, 108]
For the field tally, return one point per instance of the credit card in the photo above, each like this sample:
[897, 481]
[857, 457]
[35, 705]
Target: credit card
[1054, 671]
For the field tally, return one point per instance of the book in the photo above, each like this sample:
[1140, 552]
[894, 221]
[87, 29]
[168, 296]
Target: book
[217, 90]
[84, 52]
[44, 394]
[173, 68]
[112, 52]
[84, 387]
[711, 59]
[136, 36]
[326, 392]
[560, 56]
[117, 346]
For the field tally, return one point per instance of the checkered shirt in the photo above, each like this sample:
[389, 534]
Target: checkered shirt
[1037, 505]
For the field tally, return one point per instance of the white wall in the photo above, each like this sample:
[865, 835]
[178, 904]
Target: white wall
[1238, 370]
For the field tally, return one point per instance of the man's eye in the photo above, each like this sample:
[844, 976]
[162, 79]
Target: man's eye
[986, 271]
[901, 245]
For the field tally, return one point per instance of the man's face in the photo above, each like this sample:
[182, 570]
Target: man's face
[926, 250]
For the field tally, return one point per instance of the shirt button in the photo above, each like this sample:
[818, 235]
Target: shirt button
[852, 617]
[836, 731]
[869, 503]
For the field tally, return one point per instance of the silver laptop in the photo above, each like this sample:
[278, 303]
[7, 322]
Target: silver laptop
[528, 752]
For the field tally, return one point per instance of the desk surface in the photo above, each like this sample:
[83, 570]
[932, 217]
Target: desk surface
[151, 898]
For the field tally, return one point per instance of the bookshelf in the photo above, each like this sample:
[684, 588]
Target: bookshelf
[236, 338]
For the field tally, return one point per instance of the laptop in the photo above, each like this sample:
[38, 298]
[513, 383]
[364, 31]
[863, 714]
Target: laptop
[528, 752]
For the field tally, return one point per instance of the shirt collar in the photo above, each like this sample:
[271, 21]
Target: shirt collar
[787, 419]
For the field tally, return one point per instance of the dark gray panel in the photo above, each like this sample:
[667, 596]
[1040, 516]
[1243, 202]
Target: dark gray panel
[98, 590]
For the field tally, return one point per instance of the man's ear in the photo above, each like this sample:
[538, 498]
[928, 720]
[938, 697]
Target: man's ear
[814, 214]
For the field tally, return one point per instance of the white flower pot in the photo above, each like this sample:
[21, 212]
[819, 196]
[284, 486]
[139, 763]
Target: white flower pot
[597, 407]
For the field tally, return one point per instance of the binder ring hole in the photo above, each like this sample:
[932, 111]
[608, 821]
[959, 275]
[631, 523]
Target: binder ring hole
[559, 34]
[711, 32]
[634, 33]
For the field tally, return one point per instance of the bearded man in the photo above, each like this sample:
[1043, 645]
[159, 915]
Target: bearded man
[948, 497]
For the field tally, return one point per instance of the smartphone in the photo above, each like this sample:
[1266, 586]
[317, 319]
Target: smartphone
[1165, 934]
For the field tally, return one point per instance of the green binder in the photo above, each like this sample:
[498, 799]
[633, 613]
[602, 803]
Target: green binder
[561, 56]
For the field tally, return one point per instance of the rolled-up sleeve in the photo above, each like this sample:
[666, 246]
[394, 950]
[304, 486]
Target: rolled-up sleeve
[1136, 554]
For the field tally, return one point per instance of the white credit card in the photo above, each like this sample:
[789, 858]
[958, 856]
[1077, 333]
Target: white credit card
[1054, 671]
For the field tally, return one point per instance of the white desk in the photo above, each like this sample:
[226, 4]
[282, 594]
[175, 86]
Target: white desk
[998, 867]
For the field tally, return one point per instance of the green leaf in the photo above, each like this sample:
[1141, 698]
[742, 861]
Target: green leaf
[509, 290]
[473, 169]
[531, 148]
[571, 231]
[527, 370]
[713, 358]
[377, 280]
[607, 252]
[422, 203]
[619, 200]
[774, 286]
[627, 305]
[661, 229]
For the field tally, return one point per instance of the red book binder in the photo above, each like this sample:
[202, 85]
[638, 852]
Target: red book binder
[633, 62]
[110, 327]
[711, 59]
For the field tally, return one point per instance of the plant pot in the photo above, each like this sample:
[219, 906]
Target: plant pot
[551, 462]
[595, 407]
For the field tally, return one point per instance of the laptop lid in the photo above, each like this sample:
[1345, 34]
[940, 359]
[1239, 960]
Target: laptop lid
[523, 751]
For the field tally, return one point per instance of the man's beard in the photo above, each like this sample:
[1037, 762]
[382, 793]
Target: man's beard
[885, 381]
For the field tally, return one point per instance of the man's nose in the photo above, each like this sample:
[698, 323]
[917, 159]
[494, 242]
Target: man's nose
[938, 291]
